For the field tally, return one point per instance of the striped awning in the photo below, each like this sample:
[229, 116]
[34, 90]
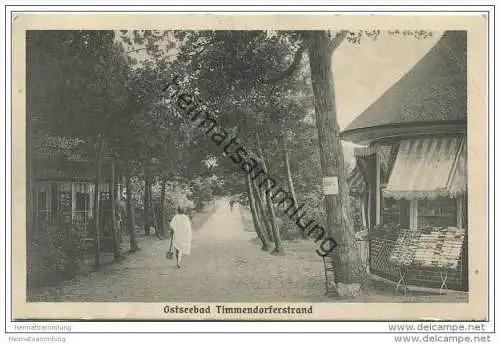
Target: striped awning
[356, 181]
[429, 168]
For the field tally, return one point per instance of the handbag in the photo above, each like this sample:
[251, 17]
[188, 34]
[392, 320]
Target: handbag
[170, 253]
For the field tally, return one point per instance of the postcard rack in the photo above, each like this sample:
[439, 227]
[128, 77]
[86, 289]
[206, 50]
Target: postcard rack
[402, 255]
[440, 249]
[437, 248]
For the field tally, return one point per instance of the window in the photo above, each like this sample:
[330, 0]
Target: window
[42, 199]
[104, 191]
[54, 206]
[65, 202]
[396, 212]
[438, 212]
[43, 204]
[82, 201]
[65, 196]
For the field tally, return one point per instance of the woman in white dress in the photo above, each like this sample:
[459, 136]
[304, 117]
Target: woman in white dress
[181, 226]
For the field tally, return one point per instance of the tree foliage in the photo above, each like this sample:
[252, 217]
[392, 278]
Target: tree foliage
[76, 81]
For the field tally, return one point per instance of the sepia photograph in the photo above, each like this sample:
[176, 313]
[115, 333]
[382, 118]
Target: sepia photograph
[250, 173]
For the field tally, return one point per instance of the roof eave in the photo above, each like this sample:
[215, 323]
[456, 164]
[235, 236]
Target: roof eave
[398, 131]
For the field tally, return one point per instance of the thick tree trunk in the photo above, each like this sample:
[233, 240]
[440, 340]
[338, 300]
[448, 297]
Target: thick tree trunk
[291, 188]
[261, 210]
[162, 231]
[130, 211]
[114, 224]
[97, 203]
[147, 199]
[278, 247]
[261, 233]
[121, 213]
[154, 213]
[349, 274]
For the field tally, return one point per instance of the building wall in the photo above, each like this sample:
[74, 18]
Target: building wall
[65, 201]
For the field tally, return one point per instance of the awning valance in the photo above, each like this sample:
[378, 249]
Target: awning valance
[361, 152]
[429, 168]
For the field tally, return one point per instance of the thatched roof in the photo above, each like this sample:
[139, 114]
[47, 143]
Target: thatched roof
[432, 93]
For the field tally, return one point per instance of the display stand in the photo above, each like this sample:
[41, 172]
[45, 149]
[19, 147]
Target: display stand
[437, 248]
[444, 278]
[402, 256]
[440, 248]
[402, 279]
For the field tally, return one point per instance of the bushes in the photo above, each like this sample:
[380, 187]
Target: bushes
[288, 229]
[202, 192]
[63, 248]
[313, 209]
[314, 205]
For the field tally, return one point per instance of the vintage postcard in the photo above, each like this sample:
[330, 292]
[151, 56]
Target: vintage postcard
[234, 166]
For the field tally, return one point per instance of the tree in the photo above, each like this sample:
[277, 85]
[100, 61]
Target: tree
[147, 198]
[97, 209]
[257, 222]
[348, 267]
[130, 211]
[262, 211]
[114, 203]
[291, 187]
[163, 215]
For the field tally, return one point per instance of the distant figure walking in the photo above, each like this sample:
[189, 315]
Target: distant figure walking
[231, 204]
[182, 234]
